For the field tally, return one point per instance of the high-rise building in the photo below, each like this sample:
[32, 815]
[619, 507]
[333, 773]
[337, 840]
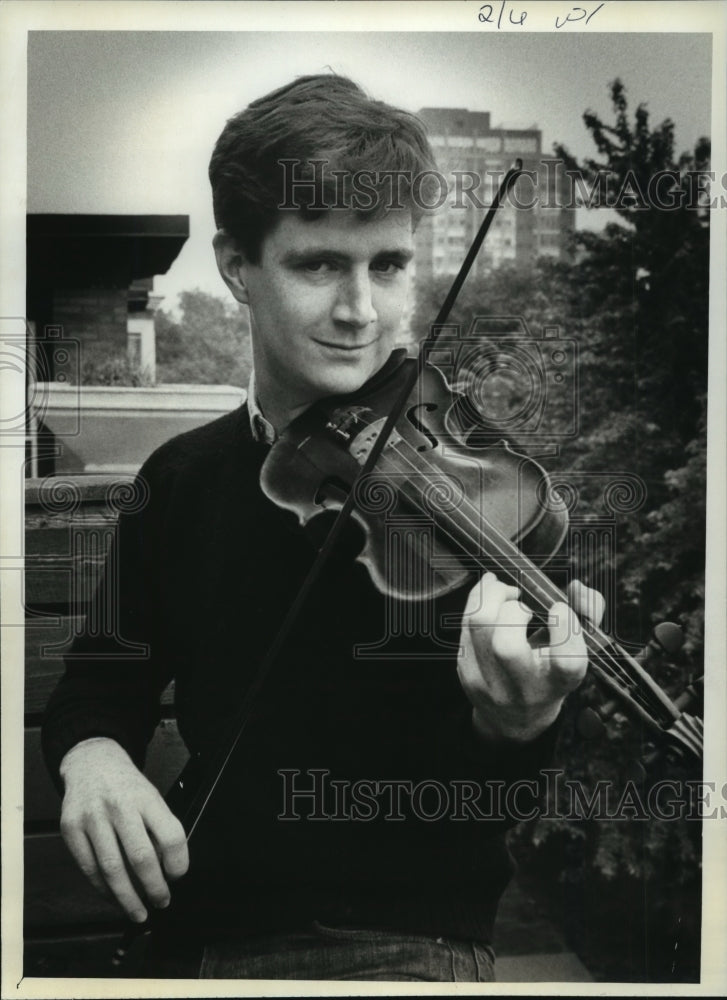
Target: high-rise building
[473, 157]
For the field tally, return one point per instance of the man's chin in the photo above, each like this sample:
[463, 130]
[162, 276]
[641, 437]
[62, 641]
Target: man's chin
[346, 379]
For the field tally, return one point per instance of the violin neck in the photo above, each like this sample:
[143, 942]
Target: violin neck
[620, 671]
[623, 675]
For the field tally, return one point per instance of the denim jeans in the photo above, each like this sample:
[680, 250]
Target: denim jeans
[337, 953]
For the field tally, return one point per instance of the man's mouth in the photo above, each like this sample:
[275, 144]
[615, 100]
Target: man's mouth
[344, 347]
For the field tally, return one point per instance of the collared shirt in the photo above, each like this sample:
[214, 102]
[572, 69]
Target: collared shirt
[262, 429]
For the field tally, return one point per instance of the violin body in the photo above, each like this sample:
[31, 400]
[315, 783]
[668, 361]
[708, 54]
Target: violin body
[424, 507]
[438, 509]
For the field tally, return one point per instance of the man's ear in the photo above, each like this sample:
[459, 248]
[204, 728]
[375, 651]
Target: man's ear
[232, 264]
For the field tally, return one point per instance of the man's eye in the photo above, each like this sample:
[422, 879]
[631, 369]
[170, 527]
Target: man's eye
[387, 267]
[318, 266]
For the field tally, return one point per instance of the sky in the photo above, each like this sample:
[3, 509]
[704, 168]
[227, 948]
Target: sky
[124, 121]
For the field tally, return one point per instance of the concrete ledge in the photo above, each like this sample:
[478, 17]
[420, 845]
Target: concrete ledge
[114, 428]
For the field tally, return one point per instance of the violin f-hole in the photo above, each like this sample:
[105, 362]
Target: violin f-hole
[422, 428]
[331, 493]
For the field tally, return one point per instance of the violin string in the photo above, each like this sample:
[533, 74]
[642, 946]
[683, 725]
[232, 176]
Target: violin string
[614, 666]
[610, 664]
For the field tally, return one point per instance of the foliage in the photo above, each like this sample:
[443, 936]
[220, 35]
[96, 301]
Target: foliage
[651, 367]
[209, 345]
[114, 371]
[635, 300]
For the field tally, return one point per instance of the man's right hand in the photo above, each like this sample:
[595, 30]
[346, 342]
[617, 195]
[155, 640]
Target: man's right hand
[116, 825]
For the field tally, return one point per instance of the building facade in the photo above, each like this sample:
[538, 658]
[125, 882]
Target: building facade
[473, 158]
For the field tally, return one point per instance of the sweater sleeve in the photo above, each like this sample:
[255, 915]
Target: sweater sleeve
[507, 775]
[506, 760]
[460, 752]
[114, 675]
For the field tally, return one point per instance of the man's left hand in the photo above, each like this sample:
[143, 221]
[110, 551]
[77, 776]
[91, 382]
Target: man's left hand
[517, 689]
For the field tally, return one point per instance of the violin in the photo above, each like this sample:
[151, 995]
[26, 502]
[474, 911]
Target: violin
[404, 457]
[437, 512]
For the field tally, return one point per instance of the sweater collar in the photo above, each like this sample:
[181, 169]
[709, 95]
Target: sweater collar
[262, 430]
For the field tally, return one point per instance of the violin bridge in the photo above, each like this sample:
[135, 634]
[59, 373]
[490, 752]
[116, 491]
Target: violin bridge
[361, 445]
[346, 421]
[348, 424]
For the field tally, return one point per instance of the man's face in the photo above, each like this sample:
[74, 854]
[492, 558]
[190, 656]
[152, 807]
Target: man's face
[326, 302]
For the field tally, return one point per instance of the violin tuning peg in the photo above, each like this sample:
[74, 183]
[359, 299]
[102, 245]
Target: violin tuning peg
[670, 637]
[666, 641]
[590, 724]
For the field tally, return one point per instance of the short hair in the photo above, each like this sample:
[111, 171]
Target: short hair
[327, 118]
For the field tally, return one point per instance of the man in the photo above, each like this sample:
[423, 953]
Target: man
[289, 879]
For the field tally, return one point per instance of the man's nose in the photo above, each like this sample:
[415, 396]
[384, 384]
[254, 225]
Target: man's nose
[354, 305]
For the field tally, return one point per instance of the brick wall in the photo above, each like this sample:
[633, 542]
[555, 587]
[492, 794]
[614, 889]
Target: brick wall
[97, 317]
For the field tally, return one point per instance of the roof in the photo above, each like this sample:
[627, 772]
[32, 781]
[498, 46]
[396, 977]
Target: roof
[87, 249]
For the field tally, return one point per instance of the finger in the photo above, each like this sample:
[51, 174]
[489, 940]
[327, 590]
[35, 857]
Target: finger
[509, 639]
[486, 599]
[586, 602]
[142, 859]
[168, 834]
[567, 654]
[484, 604]
[78, 844]
[113, 870]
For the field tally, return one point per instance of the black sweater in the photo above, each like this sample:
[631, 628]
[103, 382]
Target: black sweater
[203, 570]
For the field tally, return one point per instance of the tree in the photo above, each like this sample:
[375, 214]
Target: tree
[635, 298]
[657, 271]
[210, 344]
[642, 293]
